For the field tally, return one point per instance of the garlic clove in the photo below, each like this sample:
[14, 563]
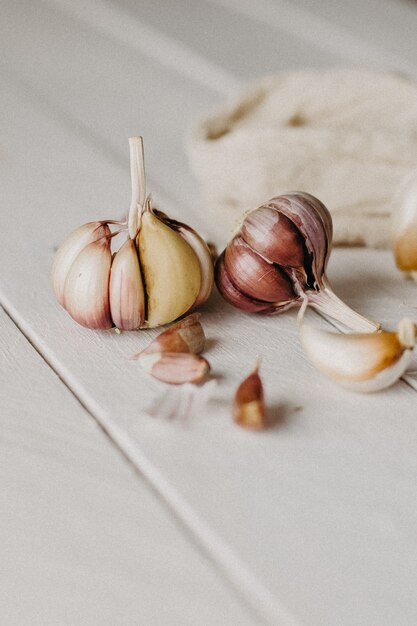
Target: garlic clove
[273, 236]
[234, 296]
[256, 277]
[69, 250]
[171, 271]
[248, 403]
[204, 256]
[187, 335]
[314, 223]
[404, 227]
[86, 289]
[176, 368]
[364, 362]
[127, 294]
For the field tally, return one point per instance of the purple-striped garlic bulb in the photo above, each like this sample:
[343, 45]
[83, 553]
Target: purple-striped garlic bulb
[162, 271]
[278, 257]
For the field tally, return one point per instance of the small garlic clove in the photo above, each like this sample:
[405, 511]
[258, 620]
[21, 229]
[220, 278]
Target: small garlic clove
[86, 289]
[171, 271]
[234, 296]
[273, 236]
[127, 295]
[69, 250]
[187, 335]
[404, 227]
[314, 221]
[364, 362]
[256, 277]
[248, 404]
[176, 368]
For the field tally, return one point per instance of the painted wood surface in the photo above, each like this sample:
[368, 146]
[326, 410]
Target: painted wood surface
[83, 538]
[311, 522]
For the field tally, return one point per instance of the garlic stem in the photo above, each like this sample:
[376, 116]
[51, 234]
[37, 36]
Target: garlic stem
[328, 303]
[137, 175]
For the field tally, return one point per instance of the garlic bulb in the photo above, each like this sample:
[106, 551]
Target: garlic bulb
[404, 226]
[279, 256]
[162, 270]
[364, 362]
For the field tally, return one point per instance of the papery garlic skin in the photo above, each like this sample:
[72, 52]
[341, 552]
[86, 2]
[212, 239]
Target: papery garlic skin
[86, 288]
[404, 227]
[126, 290]
[176, 368]
[279, 256]
[171, 271]
[69, 250]
[363, 362]
[235, 296]
[254, 276]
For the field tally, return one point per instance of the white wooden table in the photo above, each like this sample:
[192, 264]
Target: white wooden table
[110, 517]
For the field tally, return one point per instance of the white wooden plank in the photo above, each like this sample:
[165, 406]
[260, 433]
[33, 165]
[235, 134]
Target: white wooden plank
[387, 25]
[302, 534]
[288, 513]
[83, 539]
[357, 34]
[233, 41]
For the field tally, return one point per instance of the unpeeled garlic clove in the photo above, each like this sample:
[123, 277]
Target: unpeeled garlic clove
[255, 277]
[187, 335]
[236, 297]
[170, 268]
[404, 227]
[127, 296]
[291, 234]
[176, 368]
[363, 362]
[69, 250]
[273, 236]
[86, 288]
[248, 403]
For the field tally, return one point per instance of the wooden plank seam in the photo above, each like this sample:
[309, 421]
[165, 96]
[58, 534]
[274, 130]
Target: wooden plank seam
[243, 581]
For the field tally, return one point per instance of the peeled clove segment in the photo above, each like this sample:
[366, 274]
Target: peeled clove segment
[127, 295]
[70, 249]
[279, 256]
[176, 368]
[405, 227]
[204, 256]
[171, 271]
[86, 288]
[363, 362]
[248, 404]
[187, 335]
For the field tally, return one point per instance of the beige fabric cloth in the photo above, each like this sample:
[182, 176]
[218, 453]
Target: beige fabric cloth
[348, 136]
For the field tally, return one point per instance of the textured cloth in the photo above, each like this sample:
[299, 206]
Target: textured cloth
[347, 136]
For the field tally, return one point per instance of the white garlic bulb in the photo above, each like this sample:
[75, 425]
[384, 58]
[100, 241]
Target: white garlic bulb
[363, 362]
[163, 269]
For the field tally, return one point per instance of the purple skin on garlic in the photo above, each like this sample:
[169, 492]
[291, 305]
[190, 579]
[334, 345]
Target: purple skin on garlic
[279, 256]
